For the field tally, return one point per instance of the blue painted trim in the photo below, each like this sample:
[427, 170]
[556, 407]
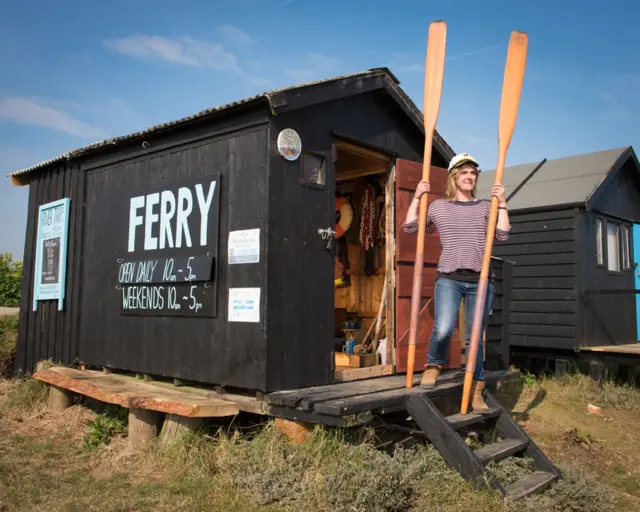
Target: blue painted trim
[57, 291]
[636, 269]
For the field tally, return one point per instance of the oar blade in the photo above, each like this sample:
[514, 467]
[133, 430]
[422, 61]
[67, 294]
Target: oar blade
[434, 73]
[512, 87]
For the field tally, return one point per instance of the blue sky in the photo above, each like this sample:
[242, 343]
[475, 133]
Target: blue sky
[77, 72]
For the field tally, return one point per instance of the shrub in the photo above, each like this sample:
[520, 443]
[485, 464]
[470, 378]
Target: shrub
[8, 339]
[10, 281]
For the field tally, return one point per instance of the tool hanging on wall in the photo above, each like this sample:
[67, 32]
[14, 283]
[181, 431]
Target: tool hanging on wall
[511, 90]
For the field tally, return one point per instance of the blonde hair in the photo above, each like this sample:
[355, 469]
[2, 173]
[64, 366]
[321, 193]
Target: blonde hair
[451, 182]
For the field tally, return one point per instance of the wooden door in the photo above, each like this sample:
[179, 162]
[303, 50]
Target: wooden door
[408, 175]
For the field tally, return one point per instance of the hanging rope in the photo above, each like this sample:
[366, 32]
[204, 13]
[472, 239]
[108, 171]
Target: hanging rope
[381, 217]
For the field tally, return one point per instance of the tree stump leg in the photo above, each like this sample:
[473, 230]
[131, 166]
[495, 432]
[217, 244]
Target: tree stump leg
[175, 426]
[143, 427]
[59, 398]
[296, 431]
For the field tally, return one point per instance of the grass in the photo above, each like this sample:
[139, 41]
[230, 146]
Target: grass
[78, 459]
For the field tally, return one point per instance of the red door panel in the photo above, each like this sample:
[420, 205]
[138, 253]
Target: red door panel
[408, 175]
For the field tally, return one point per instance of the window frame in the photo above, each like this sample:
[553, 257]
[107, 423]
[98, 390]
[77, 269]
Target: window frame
[624, 233]
[323, 165]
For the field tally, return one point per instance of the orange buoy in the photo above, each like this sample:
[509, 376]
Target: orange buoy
[344, 215]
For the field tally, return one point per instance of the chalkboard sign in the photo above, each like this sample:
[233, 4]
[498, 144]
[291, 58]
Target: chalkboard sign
[177, 269]
[183, 299]
[168, 250]
[51, 252]
[51, 263]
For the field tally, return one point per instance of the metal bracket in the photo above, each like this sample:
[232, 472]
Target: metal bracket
[327, 234]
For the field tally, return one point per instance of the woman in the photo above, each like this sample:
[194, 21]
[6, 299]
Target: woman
[461, 221]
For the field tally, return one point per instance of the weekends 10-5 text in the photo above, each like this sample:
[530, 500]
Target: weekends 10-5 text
[170, 285]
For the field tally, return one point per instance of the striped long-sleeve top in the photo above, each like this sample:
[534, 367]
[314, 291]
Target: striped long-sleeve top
[462, 227]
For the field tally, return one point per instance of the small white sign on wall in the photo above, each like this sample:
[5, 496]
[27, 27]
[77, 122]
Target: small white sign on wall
[244, 305]
[244, 246]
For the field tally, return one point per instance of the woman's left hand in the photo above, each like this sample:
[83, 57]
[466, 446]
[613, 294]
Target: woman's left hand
[499, 192]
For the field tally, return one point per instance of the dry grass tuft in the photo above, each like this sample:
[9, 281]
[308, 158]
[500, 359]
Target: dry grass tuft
[576, 492]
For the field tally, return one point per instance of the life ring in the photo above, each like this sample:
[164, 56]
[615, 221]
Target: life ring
[344, 215]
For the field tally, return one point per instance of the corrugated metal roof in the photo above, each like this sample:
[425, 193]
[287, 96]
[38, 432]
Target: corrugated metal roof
[567, 180]
[265, 95]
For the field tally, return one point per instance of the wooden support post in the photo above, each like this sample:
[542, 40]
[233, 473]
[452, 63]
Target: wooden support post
[59, 398]
[562, 366]
[296, 431]
[627, 375]
[175, 426]
[143, 426]
[597, 370]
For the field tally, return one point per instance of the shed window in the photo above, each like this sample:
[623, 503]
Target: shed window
[613, 246]
[626, 259]
[312, 170]
[600, 241]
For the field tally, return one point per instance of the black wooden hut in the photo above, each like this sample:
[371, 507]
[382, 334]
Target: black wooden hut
[202, 250]
[575, 242]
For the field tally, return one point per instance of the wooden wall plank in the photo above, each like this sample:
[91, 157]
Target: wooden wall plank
[23, 360]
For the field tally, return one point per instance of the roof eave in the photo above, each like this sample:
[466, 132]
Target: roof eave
[559, 206]
[593, 197]
[22, 177]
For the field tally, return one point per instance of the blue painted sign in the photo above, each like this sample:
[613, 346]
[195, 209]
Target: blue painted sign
[51, 252]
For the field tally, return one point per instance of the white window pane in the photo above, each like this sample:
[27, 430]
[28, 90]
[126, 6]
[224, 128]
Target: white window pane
[599, 242]
[626, 260]
[613, 256]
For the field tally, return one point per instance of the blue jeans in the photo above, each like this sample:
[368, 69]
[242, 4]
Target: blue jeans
[447, 296]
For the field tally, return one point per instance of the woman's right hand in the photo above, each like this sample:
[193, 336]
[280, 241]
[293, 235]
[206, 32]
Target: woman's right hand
[423, 188]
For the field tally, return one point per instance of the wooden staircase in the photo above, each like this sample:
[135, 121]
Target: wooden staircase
[444, 433]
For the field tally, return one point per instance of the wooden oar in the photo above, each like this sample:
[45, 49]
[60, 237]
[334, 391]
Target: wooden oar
[511, 89]
[434, 74]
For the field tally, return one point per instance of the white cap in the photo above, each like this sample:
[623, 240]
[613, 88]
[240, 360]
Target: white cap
[460, 159]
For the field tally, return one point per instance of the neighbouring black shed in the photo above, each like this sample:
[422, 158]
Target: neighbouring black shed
[575, 242]
[200, 250]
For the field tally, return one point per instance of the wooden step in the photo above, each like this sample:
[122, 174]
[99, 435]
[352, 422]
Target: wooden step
[500, 450]
[534, 482]
[464, 420]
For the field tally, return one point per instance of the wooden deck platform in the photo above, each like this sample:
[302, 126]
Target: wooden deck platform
[629, 349]
[339, 404]
[131, 393]
[355, 402]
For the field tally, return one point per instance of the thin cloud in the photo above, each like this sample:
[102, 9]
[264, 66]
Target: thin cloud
[268, 9]
[401, 65]
[185, 51]
[474, 52]
[235, 34]
[34, 113]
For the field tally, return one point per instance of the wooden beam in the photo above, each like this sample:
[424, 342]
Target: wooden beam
[390, 251]
[351, 374]
[360, 151]
[358, 173]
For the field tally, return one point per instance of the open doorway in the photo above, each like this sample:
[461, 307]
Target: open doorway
[364, 287]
